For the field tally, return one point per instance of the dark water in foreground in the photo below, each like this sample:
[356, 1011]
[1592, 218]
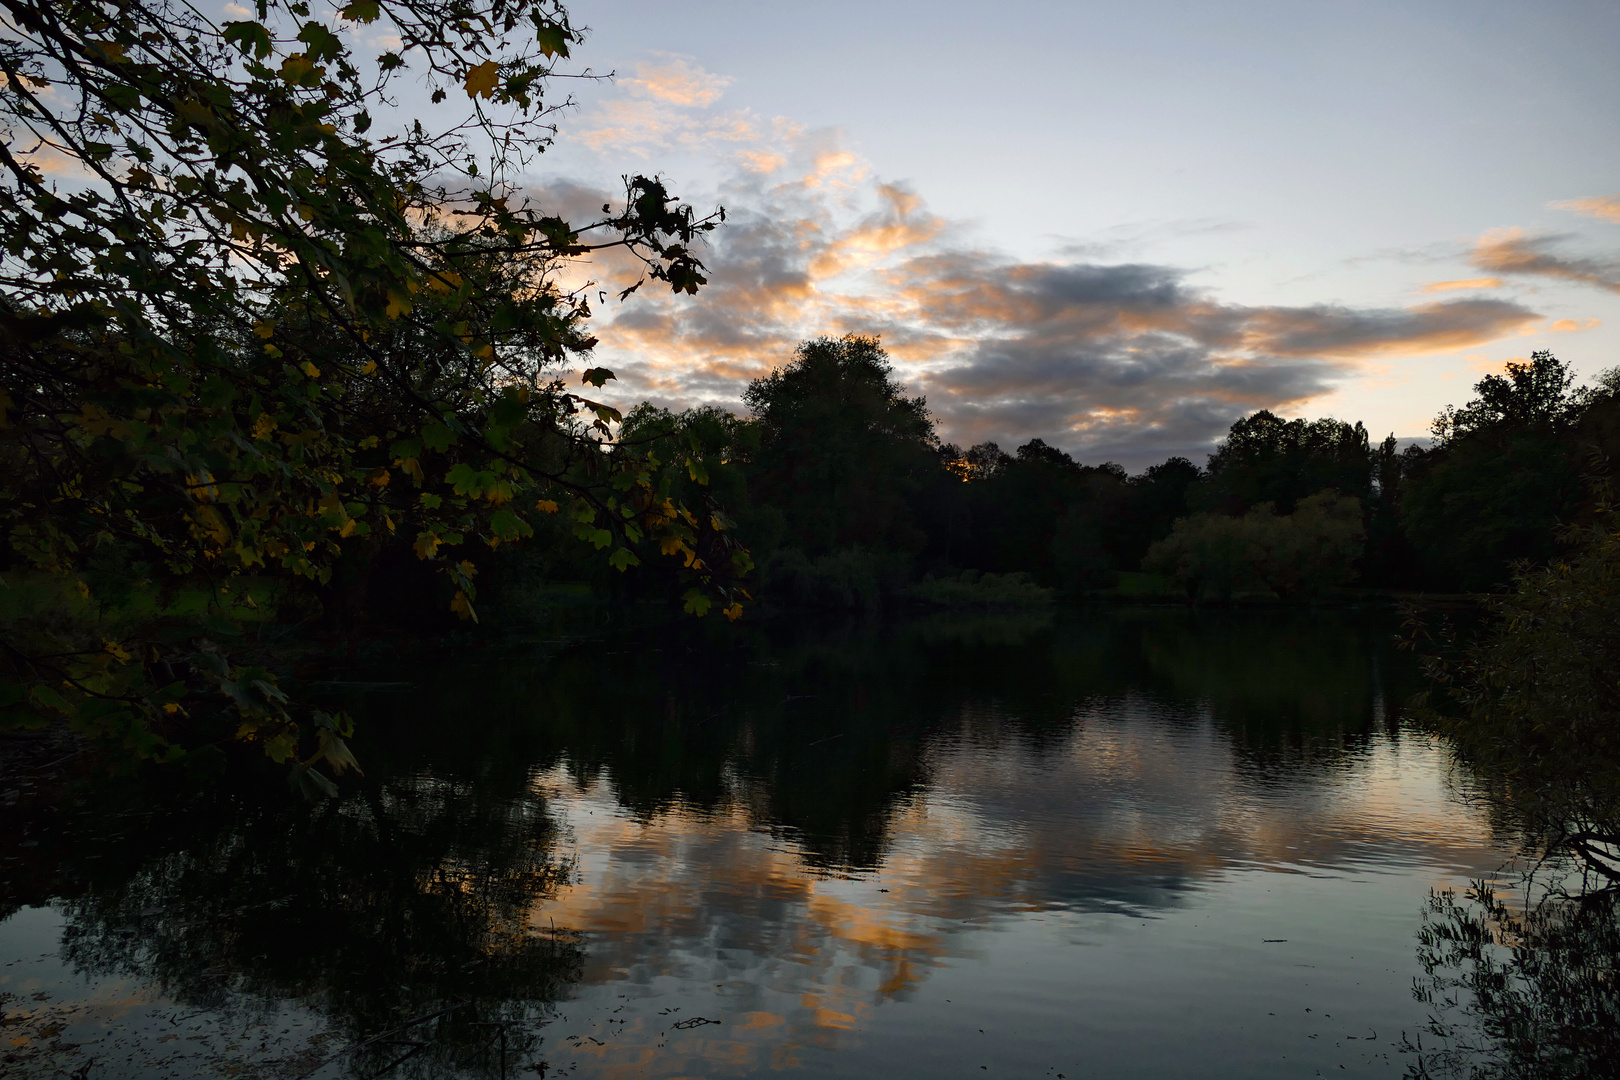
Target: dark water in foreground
[1137, 843]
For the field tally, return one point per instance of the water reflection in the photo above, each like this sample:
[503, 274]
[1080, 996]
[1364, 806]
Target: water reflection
[236, 905]
[1516, 991]
[837, 847]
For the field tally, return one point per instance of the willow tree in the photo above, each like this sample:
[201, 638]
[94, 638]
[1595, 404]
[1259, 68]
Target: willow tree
[252, 318]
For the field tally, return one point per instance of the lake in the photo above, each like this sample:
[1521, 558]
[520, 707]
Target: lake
[1080, 843]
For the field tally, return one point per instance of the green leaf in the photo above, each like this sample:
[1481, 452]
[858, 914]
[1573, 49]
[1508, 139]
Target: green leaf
[249, 36]
[551, 38]
[44, 695]
[25, 721]
[597, 376]
[623, 559]
[464, 479]
[507, 525]
[438, 436]
[362, 11]
[696, 603]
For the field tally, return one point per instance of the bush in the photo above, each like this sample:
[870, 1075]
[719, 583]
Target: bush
[1298, 554]
[850, 579]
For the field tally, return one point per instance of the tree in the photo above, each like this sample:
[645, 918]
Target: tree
[1299, 554]
[843, 452]
[1267, 459]
[1158, 496]
[245, 336]
[1533, 700]
[1502, 475]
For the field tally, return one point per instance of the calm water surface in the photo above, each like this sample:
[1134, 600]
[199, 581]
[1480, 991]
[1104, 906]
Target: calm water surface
[1139, 843]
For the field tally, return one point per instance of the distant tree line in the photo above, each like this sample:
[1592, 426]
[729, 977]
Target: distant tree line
[844, 492]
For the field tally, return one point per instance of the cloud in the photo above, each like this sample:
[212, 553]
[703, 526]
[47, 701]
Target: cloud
[667, 106]
[1108, 357]
[1603, 207]
[1467, 283]
[1127, 361]
[678, 81]
[1510, 251]
[1131, 362]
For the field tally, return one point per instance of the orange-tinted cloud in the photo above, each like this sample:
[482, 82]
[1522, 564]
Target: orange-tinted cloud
[1468, 283]
[679, 81]
[1510, 251]
[1603, 207]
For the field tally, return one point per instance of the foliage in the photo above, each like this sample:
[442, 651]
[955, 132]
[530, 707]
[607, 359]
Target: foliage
[849, 579]
[842, 452]
[1267, 459]
[245, 335]
[1537, 395]
[1037, 511]
[1533, 701]
[1303, 553]
[1503, 474]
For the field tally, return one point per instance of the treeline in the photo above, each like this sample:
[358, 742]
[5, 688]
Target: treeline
[840, 485]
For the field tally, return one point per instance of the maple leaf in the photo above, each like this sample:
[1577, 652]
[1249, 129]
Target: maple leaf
[482, 79]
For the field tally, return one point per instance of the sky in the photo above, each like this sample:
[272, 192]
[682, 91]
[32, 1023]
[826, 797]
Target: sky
[1115, 227]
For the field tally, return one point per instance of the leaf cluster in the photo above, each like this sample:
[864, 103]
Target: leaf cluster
[244, 334]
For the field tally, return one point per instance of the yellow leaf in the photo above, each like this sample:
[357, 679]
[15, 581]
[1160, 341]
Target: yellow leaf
[463, 606]
[296, 68]
[444, 281]
[311, 370]
[348, 528]
[84, 590]
[398, 305]
[427, 545]
[371, 366]
[117, 651]
[264, 329]
[413, 467]
[546, 506]
[468, 568]
[734, 612]
[264, 426]
[482, 78]
[379, 476]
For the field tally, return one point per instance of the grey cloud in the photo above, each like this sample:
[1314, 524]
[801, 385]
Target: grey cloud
[1511, 252]
[1128, 361]
[1341, 331]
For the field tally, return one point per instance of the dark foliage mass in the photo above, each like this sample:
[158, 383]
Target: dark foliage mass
[262, 367]
[847, 496]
